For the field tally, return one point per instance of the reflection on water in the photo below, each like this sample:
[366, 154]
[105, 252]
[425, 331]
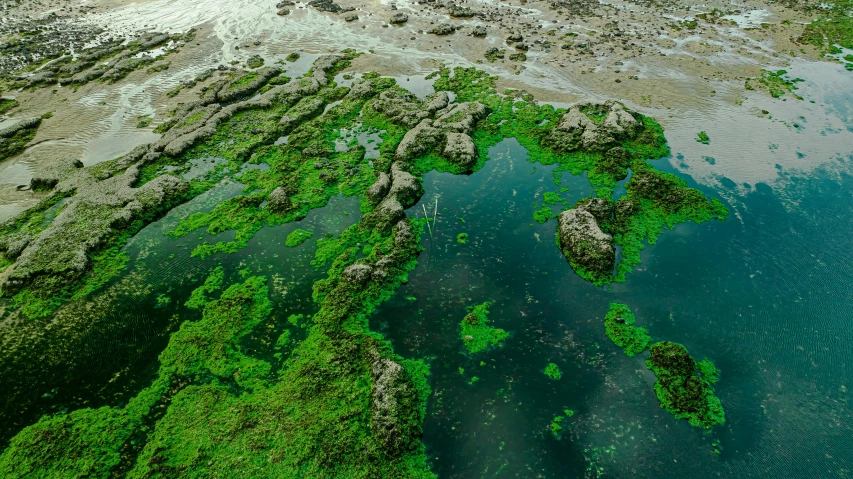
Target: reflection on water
[767, 298]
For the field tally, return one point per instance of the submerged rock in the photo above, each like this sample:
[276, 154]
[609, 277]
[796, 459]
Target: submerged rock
[588, 249]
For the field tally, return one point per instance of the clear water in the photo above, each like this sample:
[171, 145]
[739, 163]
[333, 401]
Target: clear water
[766, 297]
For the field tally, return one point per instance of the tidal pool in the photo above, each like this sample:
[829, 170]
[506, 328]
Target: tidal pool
[765, 296]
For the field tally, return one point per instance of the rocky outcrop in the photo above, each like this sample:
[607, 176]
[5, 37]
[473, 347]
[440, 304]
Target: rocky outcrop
[278, 201]
[460, 148]
[48, 177]
[387, 378]
[404, 108]
[605, 127]
[101, 202]
[379, 188]
[451, 131]
[60, 254]
[443, 29]
[233, 90]
[398, 19]
[14, 138]
[588, 249]
[304, 110]
[404, 191]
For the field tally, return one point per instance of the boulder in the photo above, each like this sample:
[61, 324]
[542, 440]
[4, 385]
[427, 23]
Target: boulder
[443, 29]
[460, 148]
[278, 201]
[577, 130]
[583, 243]
[600, 208]
[379, 188]
[398, 19]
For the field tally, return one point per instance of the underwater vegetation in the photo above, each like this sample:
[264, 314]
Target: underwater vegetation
[340, 402]
[476, 332]
[619, 326]
[681, 391]
[297, 237]
[775, 83]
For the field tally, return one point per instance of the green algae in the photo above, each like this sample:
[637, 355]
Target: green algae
[543, 214]
[557, 423]
[703, 138]
[476, 334]
[680, 391]
[678, 388]
[214, 408]
[312, 417]
[213, 283]
[553, 371]
[657, 200]
[556, 426]
[833, 26]
[297, 237]
[775, 83]
[619, 326]
[462, 238]
[7, 104]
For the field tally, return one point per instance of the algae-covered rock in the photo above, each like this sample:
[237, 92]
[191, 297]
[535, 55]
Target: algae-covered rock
[47, 177]
[379, 188]
[594, 126]
[589, 250]
[403, 108]
[99, 210]
[14, 138]
[601, 209]
[419, 140]
[443, 29]
[460, 148]
[404, 191]
[398, 19]
[451, 129]
[278, 201]
[357, 273]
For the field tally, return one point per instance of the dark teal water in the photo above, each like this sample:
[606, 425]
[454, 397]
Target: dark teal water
[766, 295]
[110, 352]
